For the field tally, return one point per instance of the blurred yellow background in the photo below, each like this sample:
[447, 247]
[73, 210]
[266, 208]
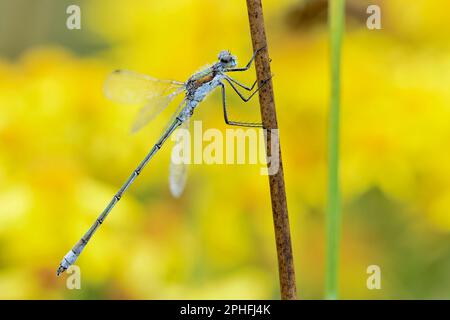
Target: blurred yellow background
[65, 150]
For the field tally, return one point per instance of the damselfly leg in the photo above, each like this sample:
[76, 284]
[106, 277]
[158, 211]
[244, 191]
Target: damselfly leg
[242, 85]
[224, 101]
[235, 123]
[249, 64]
[240, 94]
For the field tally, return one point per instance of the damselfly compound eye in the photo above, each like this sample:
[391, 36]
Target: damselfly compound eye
[225, 56]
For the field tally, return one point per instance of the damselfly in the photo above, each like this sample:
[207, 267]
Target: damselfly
[130, 87]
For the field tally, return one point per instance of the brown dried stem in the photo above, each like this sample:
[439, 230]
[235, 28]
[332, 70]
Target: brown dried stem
[276, 181]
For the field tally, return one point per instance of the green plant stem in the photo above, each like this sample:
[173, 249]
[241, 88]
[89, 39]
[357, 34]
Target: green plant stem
[336, 16]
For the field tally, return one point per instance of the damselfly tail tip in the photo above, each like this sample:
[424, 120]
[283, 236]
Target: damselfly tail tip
[60, 270]
[68, 260]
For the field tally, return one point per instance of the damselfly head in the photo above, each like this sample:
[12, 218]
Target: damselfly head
[227, 59]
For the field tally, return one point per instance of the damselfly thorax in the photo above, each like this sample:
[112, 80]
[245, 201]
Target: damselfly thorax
[131, 87]
[203, 82]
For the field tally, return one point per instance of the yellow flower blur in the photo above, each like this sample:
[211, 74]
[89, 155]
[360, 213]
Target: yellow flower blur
[65, 150]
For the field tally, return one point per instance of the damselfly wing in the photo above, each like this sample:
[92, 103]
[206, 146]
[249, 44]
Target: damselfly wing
[130, 87]
[178, 168]
[126, 86]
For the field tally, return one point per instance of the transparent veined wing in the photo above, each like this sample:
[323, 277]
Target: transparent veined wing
[125, 86]
[178, 169]
[153, 107]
